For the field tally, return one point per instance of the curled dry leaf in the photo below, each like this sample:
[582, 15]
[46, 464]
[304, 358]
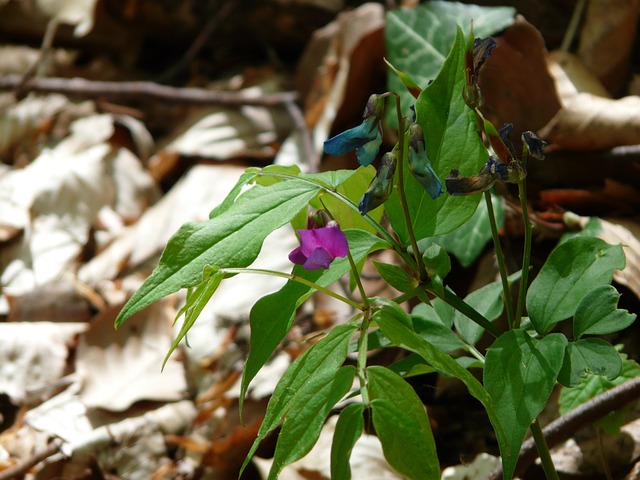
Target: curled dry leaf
[588, 122]
[571, 76]
[342, 61]
[79, 13]
[515, 82]
[607, 40]
[22, 122]
[33, 357]
[119, 368]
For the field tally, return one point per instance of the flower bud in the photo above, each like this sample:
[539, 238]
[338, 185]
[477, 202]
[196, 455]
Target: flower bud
[419, 164]
[381, 185]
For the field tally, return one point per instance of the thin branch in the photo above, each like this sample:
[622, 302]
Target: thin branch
[17, 471]
[144, 90]
[562, 428]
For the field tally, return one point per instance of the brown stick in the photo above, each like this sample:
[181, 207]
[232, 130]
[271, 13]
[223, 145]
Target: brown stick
[21, 468]
[565, 426]
[143, 90]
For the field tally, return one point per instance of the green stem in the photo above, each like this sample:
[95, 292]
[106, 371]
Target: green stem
[363, 346]
[526, 254]
[397, 247]
[422, 271]
[356, 275]
[543, 451]
[456, 302]
[296, 278]
[500, 257]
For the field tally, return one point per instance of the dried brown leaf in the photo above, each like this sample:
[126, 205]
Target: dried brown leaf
[515, 82]
[607, 40]
[588, 122]
[119, 368]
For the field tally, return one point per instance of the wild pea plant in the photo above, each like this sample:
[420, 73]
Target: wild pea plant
[443, 138]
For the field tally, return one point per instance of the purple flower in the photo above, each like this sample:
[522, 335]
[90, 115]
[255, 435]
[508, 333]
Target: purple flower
[319, 247]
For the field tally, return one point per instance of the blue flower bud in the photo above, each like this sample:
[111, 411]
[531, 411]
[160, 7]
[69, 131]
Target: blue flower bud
[419, 164]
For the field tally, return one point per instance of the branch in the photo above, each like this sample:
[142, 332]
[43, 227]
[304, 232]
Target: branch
[143, 90]
[18, 471]
[562, 428]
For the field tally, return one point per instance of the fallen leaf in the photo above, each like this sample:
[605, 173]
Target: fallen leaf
[119, 368]
[79, 13]
[515, 82]
[607, 40]
[33, 357]
[571, 76]
[588, 122]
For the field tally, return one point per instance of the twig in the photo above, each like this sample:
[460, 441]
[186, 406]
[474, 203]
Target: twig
[21, 468]
[562, 428]
[144, 90]
[296, 114]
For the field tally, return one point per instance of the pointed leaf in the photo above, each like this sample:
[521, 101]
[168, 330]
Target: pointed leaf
[325, 356]
[402, 425]
[404, 337]
[598, 313]
[346, 434]
[452, 142]
[212, 278]
[519, 374]
[573, 269]
[396, 276]
[231, 239]
[309, 410]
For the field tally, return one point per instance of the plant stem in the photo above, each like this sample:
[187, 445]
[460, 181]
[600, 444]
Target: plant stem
[296, 278]
[500, 257]
[422, 271]
[456, 302]
[363, 345]
[543, 450]
[526, 253]
[356, 275]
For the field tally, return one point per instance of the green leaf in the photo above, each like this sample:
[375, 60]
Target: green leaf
[396, 276]
[247, 177]
[388, 309]
[320, 361]
[589, 356]
[436, 261]
[452, 142]
[404, 337]
[572, 270]
[487, 301]
[467, 241]
[309, 410]
[231, 239]
[519, 374]
[196, 301]
[272, 316]
[353, 188]
[418, 39]
[593, 386]
[348, 430]
[428, 324]
[598, 313]
[402, 425]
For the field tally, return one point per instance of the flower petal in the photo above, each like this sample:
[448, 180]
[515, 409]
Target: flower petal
[333, 240]
[367, 153]
[349, 140]
[319, 258]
